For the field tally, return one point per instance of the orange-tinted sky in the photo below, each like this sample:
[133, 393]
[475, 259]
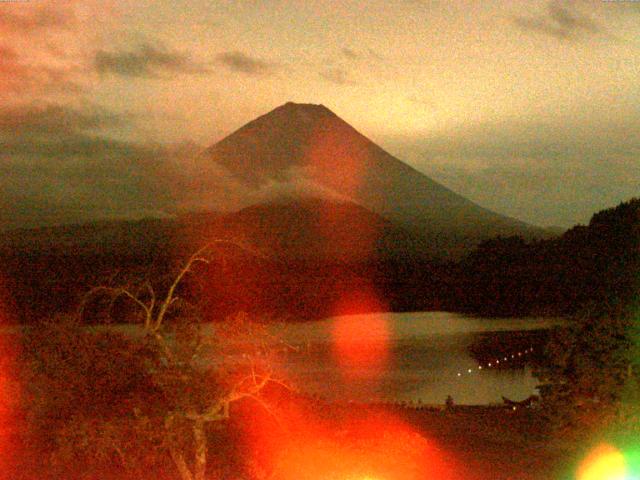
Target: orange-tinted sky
[530, 108]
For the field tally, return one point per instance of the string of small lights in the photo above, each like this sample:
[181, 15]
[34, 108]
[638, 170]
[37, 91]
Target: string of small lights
[495, 363]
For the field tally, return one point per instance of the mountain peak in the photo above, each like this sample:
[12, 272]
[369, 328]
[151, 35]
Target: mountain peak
[303, 107]
[265, 148]
[306, 147]
[299, 112]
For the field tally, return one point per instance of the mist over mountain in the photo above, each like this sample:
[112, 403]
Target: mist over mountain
[281, 167]
[303, 144]
[320, 211]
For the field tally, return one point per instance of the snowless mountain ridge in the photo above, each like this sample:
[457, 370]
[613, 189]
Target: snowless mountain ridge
[310, 142]
[325, 191]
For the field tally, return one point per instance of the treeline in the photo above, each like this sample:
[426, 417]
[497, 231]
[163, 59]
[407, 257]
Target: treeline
[594, 268]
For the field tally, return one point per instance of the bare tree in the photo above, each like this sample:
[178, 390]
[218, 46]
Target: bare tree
[192, 378]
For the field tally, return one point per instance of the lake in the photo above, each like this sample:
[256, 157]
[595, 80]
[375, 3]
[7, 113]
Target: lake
[402, 357]
[425, 357]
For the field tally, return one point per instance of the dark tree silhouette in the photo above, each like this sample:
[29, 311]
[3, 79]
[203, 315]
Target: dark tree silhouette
[133, 401]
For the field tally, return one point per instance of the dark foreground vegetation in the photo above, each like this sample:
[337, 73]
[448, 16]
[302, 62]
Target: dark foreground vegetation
[170, 403]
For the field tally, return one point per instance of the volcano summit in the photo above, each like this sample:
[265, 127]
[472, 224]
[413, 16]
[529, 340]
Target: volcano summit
[314, 152]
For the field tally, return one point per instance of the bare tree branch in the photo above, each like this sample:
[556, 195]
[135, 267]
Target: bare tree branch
[178, 367]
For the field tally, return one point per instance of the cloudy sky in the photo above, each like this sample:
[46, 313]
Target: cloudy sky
[529, 108]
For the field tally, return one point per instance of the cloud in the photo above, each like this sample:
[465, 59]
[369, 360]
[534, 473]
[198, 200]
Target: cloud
[545, 193]
[350, 54]
[337, 75]
[559, 22]
[243, 63]
[557, 171]
[357, 55]
[52, 121]
[146, 61]
[29, 19]
[33, 52]
[555, 138]
[20, 75]
[59, 164]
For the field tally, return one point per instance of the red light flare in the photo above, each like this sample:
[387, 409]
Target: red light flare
[9, 390]
[340, 160]
[361, 343]
[333, 157]
[298, 444]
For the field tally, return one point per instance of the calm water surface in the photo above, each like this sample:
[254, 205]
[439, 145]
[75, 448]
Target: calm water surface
[425, 351]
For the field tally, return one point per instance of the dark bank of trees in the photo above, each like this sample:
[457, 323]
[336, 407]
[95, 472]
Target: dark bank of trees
[590, 275]
[594, 267]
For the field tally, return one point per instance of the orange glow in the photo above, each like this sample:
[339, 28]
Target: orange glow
[603, 463]
[341, 165]
[361, 343]
[302, 445]
[328, 150]
[9, 394]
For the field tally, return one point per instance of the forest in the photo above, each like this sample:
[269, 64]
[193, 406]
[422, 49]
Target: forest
[592, 267]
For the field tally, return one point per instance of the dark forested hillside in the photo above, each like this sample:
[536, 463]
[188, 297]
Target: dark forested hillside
[299, 259]
[593, 267]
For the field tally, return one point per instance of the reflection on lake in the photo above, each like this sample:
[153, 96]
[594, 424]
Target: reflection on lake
[423, 354]
[425, 351]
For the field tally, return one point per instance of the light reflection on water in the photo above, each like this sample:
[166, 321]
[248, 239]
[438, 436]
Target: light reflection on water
[426, 352]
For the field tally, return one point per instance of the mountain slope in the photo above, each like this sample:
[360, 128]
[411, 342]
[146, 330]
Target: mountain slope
[297, 141]
[321, 229]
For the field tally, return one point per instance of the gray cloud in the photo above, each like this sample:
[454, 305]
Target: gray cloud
[559, 22]
[337, 75]
[544, 193]
[147, 61]
[59, 165]
[350, 54]
[243, 63]
[548, 139]
[52, 120]
[359, 55]
[339, 68]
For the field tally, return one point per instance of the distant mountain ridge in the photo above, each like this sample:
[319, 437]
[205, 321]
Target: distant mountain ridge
[321, 229]
[315, 212]
[310, 141]
[304, 159]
